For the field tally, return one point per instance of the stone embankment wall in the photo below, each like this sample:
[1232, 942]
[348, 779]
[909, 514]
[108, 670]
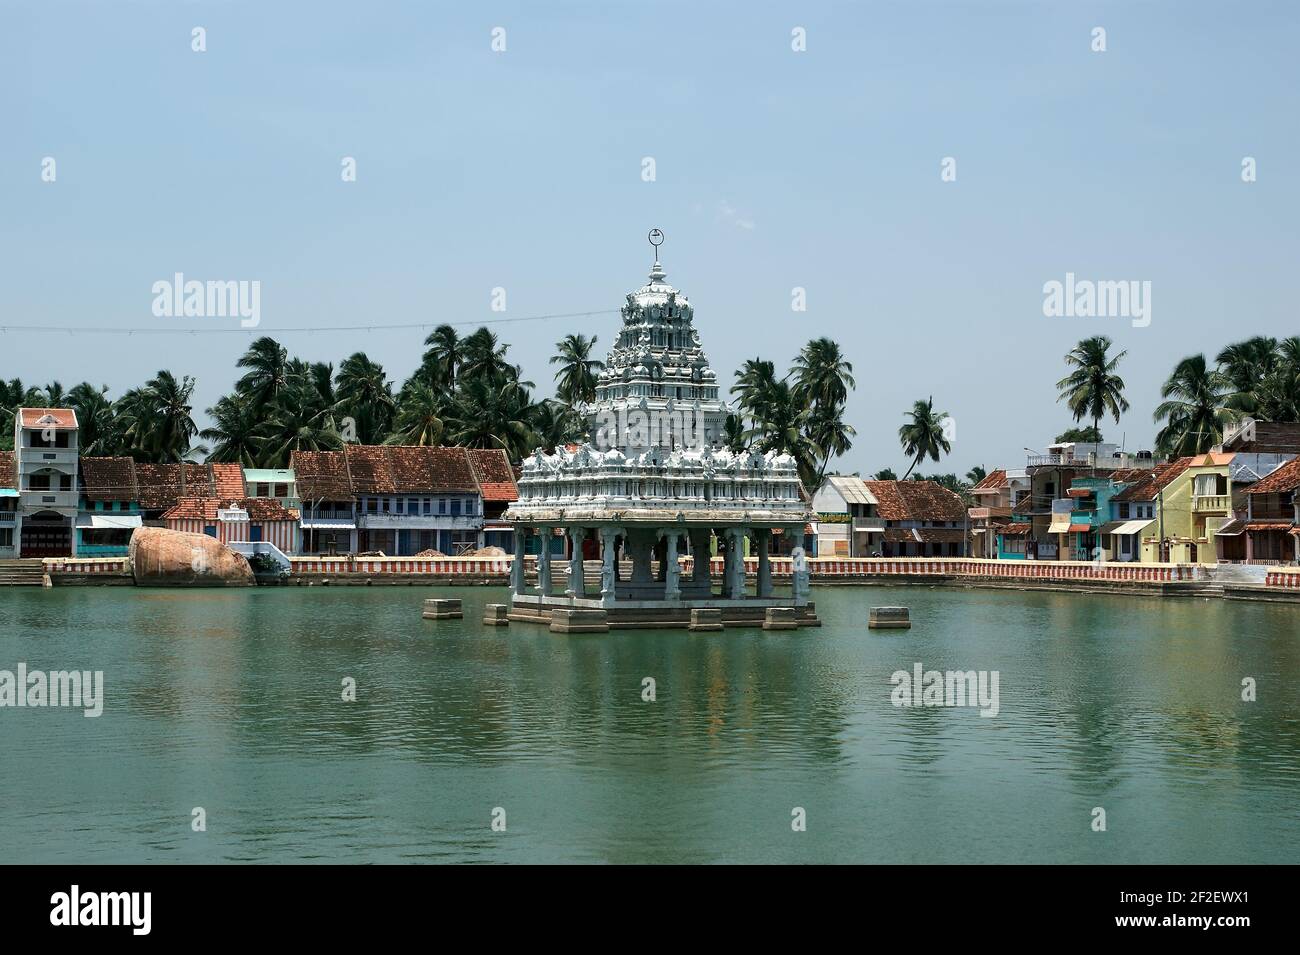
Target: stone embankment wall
[1282, 582]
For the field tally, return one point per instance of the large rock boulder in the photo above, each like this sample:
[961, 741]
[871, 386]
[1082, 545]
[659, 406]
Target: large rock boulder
[165, 558]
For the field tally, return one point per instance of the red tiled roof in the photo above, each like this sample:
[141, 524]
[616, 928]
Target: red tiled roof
[1153, 482]
[430, 469]
[1128, 475]
[994, 479]
[916, 501]
[9, 470]
[160, 484]
[496, 478]
[369, 469]
[63, 417]
[321, 475]
[1285, 478]
[205, 509]
[389, 469]
[227, 479]
[109, 479]
[932, 535]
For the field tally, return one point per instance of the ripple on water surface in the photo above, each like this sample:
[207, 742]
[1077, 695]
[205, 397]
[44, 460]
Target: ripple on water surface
[232, 700]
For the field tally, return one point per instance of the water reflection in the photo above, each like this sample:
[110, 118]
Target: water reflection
[232, 700]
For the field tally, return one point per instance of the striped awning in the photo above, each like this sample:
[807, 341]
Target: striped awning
[108, 522]
[1132, 527]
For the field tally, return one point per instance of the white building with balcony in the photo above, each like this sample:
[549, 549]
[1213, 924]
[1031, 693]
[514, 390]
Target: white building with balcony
[45, 449]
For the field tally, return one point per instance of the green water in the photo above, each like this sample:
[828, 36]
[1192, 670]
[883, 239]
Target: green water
[231, 700]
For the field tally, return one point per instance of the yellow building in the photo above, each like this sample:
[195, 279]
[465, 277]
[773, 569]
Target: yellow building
[1186, 501]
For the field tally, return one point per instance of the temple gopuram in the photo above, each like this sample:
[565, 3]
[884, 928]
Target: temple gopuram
[653, 484]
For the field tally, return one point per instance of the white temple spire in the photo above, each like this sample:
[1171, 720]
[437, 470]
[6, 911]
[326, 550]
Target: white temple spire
[657, 273]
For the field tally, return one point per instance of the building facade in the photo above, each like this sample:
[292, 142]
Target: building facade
[403, 501]
[250, 519]
[847, 524]
[110, 507]
[1272, 520]
[46, 452]
[278, 484]
[10, 513]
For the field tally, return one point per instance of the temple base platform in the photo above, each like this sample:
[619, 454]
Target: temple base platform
[748, 612]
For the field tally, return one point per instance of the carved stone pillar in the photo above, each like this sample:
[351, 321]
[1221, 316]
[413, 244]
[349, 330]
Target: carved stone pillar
[735, 585]
[800, 567]
[577, 587]
[764, 538]
[517, 565]
[609, 553]
[544, 536]
[700, 554]
[641, 546]
[672, 570]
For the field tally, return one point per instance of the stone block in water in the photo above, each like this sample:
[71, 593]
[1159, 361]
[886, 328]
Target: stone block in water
[438, 608]
[780, 618]
[889, 618]
[574, 620]
[706, 619]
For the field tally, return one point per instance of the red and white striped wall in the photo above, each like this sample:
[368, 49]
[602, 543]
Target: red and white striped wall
[433, 566]
[87, 565]
[283, 534]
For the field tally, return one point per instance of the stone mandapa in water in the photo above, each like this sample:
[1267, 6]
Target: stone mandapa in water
[166, 558]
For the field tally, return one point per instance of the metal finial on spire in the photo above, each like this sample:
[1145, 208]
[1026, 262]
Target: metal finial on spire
[656, 238]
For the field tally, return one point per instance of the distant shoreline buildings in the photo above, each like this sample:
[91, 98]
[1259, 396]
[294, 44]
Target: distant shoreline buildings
[1077, 502]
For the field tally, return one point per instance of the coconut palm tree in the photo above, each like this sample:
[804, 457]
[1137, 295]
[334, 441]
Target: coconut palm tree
[556, 424]
[976, 474]
[754, 383]
[1194, 408]
[297, 428]
[419, 418]
[444, 354]
[923, 435]
[1093, 389]
[821, 373]
[575, 382]
[237, 425]
[158, 420]
[54, 396]
[98, 430]
[734, 437]
[267, 362]
[366, 395]
[783, 428]
[482, 355]
[13, 395]
[493, 411]
[827, 430]
[1244, 365]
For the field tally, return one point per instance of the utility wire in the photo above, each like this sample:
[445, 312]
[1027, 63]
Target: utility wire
[259, 330]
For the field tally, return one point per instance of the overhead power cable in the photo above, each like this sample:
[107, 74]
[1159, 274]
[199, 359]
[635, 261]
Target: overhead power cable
[263, 330]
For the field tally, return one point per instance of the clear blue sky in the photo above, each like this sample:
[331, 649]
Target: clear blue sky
[775, 169]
